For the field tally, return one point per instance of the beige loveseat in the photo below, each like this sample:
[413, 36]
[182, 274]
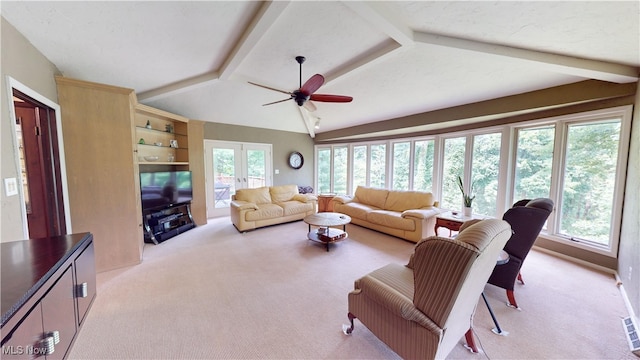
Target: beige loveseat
[410, 215]
[254, 208]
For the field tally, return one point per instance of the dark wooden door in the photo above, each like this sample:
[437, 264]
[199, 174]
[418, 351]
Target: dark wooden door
[41, 167]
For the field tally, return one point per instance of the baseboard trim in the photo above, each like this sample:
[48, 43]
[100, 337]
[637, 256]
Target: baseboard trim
[576, 260]
[632, 316]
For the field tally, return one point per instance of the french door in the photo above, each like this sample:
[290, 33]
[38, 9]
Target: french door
[231, 166]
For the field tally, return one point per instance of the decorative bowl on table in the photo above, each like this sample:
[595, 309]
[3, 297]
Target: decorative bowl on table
[151, 158]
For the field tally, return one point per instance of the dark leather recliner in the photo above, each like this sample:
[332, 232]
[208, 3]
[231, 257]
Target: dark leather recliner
[526, 217]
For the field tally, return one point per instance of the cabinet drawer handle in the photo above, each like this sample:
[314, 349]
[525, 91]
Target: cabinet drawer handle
[55, 335]
[82, 290]
[47, 346]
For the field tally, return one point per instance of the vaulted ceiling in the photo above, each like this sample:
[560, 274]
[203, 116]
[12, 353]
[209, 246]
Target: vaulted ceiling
[395, 58]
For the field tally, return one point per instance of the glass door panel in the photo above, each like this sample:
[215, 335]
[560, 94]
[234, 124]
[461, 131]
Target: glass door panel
[231, 166]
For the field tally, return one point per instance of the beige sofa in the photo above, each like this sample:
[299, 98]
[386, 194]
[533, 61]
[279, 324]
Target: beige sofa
[410, 215]
[254, 208]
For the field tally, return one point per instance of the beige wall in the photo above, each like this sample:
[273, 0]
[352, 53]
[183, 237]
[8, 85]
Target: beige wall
[629, 253]
[283, 144]
[27, 65]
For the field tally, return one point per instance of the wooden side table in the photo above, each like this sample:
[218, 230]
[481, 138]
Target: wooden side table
[453, 222]
[324, 202]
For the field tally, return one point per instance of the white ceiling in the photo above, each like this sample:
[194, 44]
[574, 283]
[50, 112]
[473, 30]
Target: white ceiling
[194, 58]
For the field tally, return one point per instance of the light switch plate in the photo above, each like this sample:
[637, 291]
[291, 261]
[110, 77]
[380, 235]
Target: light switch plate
[11, 186]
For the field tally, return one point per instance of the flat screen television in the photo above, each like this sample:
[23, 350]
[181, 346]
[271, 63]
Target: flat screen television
[165, 189]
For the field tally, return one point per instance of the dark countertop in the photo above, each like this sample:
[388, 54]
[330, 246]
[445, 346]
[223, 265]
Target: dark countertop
[28, 264]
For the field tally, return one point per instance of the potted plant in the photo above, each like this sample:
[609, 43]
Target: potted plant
[468, 199]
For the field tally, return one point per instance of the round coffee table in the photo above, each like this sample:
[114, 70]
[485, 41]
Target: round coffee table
[325, 233]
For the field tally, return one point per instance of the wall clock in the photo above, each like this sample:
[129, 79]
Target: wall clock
[296, 160]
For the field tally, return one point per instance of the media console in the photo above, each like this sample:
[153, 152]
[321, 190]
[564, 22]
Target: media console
[163, 224]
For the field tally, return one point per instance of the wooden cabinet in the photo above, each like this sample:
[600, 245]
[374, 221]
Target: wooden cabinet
[102, 126]
[102, 169]
[48, 286]
[162, 137]
[324, 202]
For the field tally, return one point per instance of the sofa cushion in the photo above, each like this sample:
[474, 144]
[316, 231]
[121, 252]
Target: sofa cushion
[371, 196]
[257, 196]
[295, 207]
[355, 210]
[391, 219]
[265, 211]
[283, 192]
[405, 200]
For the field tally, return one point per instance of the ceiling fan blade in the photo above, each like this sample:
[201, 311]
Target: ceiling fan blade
[312, 84]
[270, 88]
[310, 106]
[330, 98]
[275, 102]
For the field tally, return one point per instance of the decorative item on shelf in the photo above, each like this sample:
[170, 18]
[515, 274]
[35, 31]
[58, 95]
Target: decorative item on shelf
[151, 158]
[173, 143]
[141, 141]
[466, 197]
[157, 143]
[169, 128]
[171, 158]
[148, 126]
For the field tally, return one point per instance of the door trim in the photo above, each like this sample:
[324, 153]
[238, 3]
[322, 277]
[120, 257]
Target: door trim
[17, 85]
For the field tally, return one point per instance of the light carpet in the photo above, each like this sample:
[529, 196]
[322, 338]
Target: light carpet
[213, 293]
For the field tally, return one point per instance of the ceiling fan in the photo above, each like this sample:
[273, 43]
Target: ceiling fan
[306, 91]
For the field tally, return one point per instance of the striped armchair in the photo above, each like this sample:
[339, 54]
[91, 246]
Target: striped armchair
[423, 309]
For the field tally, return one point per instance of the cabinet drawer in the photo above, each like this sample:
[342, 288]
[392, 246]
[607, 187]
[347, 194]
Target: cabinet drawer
[23, 341]
[449, 224]
[58, 314]
[85, 291]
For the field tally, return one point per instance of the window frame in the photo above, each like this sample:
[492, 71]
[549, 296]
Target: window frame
[562, 124]
[508, 155]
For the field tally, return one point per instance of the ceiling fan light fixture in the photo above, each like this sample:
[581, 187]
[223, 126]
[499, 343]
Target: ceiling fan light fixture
[317, 124]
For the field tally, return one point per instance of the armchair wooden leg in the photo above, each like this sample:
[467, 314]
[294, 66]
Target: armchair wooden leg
[471, 342]
[520, 278]
[512, 300]
[346, 328]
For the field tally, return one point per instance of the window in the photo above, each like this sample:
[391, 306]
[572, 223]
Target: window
[359, 166]
[589, 180]
[340, 170]
[423, 154]
[401, 162]
[453, 166]
[485, 168]
[378, 172]
[323, 177]
[578, 160]
[534, 157]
